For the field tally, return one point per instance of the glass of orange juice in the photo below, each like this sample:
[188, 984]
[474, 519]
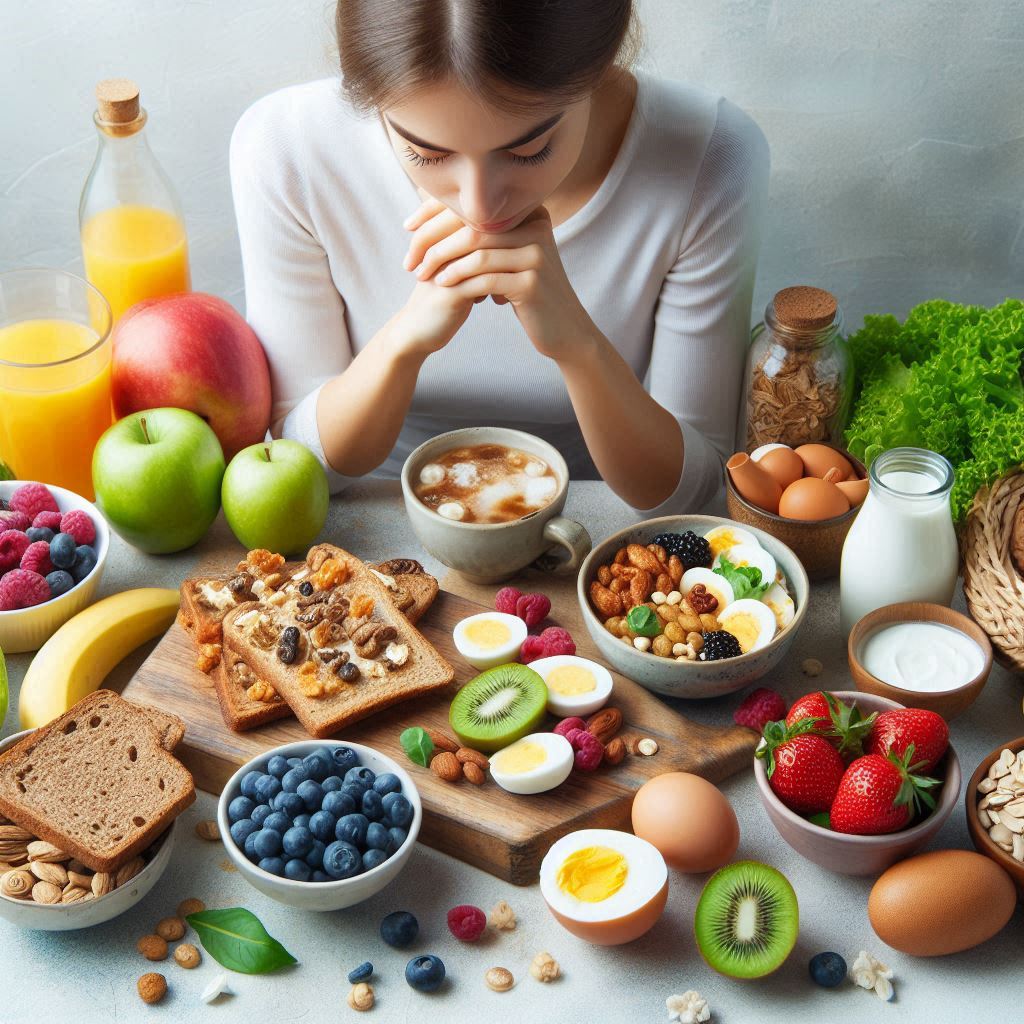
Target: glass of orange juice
[54, 376]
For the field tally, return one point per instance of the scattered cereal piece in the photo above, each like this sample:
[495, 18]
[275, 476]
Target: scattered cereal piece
[811, 667]
[209, 831]
[152, 947]
[170, 928]
[361, 996]
[647, 746]
[187, 956]
[152, 988]
[871, 974]
[503, 917]
[499, 979]
[545, 967]
[689, 1008]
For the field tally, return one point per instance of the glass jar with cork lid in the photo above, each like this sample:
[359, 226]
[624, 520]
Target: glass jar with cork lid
[798, 380]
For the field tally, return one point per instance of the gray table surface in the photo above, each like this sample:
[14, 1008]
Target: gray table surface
[90, 975]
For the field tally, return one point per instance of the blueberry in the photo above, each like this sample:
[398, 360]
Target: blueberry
[311, 794]
[387, 783]
[397, 810]
[85, 562]
[827, 969]
[59, 582]
[322, 825]
[315, 857]
[62, 551]
[267, 843]
[352, 829]
[361, 973]
[297, 841]
[248, 786]
[345, 758]
[364, 776]
[399, 929]
[241, 829]
[331, 784]
[260, 813]
[290, 803]
[377, 837]
[277, 821]
[321, 876]
[277, 766]
[338, 804]
[373, 859]
[239, 808]
[293, 777]
[354, 790]
[35, 533]
[318, 765]
[275, 865]
[342, 860]
[302, 820]
[425, 973]
[294, 762]
[250, 846]
[397, 837]
[266, 789]
[298, 870]
[372, 805]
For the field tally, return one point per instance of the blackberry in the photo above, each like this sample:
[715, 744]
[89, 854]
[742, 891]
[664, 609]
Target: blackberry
[691, 549]
[719, 644]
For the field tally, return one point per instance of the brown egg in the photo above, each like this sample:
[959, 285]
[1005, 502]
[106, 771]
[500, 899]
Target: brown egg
[941, 902]
[687, 820]
[818, 459]
[783, 464]
[855, 490]
[811, 499]
[753, 483]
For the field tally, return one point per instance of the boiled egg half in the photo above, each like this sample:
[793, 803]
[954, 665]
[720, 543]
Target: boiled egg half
[604, 886]
[576, 686]
[489, 639]
[781, 605]
[751, 622]
[723, 537]
[534, 764]
[716, 585]
[750, 555]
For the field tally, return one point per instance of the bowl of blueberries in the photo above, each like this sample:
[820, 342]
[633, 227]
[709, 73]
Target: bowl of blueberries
[320, 825]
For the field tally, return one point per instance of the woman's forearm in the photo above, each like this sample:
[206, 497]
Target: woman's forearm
[636, 444]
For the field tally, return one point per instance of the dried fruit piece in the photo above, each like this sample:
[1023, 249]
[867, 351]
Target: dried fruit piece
[466, 922]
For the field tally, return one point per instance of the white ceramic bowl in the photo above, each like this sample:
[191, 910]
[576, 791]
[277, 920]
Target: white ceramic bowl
[691, 679]
[59, 917]
[345, 892]
[27, 629]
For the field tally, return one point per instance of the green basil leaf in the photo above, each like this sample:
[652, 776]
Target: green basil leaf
[417, 745]
[237, 940]
[6, 473]
[642, 621]
[745, 580]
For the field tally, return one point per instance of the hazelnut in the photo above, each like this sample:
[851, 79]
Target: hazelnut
[170, 928]
[187, 956]
[190, 906]
[152, 947]
[152, 987]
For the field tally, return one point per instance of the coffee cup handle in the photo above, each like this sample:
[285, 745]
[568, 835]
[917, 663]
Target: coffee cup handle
[567, 534]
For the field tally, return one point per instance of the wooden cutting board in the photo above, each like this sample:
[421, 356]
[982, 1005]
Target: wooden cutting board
[485, 826]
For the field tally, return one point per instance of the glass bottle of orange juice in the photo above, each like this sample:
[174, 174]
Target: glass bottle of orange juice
[133, 232]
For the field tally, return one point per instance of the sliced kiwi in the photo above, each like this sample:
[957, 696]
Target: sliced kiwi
[747, 920]
[498, 707]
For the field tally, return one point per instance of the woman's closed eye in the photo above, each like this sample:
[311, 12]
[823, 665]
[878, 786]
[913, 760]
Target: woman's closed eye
[528, 160]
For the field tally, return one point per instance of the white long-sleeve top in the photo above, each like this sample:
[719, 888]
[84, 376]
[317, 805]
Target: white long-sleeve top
[662, 256]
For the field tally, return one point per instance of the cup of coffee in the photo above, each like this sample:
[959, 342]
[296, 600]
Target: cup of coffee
[487, 502]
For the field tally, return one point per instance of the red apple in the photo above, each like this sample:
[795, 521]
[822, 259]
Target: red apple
[193, 351]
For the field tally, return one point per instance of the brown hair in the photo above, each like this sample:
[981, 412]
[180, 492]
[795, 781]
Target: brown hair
[516, 54]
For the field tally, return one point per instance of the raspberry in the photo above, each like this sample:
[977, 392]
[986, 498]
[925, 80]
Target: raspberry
[21, 588]
[48, 521]
[33, 499]
[760, 707]
[554, 640]
[37, 558]
[533, 608]
[13, 520]
[505, 600]
[589, 750]
[467, 923]
[13, 545]
[79, 525]
[566, 726]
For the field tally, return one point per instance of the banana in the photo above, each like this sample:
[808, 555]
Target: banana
[77, 658]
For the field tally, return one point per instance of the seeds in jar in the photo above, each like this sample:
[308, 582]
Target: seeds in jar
[1001, 806]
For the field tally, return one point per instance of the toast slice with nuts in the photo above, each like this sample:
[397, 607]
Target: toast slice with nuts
[338, 652]
[96, 782]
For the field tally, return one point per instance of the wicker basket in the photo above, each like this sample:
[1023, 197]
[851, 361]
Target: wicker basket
[992, 585]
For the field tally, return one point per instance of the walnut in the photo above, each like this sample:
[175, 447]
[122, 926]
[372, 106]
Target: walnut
[325, 634]
[265, 633]
[313, 599]
[700, 600]
[262, 692]
[365, 633]
[209, 657]
[400, 567]
[311, 616]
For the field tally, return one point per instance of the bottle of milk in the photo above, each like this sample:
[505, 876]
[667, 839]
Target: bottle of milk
[902, 546]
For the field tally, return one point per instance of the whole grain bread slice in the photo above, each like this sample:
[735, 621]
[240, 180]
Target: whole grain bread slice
[95, 782]
[169, 728]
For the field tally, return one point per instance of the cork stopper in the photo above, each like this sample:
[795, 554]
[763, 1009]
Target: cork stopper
[805, 308]
[117, 100]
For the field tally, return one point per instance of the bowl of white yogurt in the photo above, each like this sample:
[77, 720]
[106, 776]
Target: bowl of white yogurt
[921, 655]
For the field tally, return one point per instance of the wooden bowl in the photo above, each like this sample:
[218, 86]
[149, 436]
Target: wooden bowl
[818, 545]
[979, 836]
[949, 703]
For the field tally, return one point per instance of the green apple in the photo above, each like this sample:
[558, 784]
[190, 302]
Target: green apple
[157, 477]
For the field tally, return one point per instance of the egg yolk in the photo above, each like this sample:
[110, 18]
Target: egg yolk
[745, 628]
[519, 758]
[571, 680]
[487, 633]
[593, 873]
[722, 541]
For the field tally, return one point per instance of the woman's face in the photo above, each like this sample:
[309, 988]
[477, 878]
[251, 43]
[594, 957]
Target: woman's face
[489, 167]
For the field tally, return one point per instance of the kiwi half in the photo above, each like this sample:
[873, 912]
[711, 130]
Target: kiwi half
[498, 707]
[747, 920]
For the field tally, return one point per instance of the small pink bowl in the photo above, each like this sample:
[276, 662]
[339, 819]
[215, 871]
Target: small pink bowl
[860, 855]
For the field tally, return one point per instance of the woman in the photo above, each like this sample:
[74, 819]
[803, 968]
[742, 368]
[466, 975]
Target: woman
[609, 220]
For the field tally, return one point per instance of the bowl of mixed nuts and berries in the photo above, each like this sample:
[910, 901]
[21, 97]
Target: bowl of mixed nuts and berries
[693, 606]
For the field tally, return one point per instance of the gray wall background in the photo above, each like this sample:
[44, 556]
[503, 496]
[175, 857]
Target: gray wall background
[897, 128]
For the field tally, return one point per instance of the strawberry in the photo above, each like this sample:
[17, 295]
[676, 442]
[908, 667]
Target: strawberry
[842, 723]
[878, 795]
[803, 768]
[896, 730]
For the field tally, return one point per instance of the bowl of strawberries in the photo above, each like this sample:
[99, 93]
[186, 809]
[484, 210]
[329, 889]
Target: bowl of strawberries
[856, 782]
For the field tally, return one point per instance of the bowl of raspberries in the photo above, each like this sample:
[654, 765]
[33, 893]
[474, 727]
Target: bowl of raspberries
[53, 546]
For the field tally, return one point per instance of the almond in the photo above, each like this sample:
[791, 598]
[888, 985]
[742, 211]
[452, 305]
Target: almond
[467, 755]
[615, 751]
[474, 773]
[446, 766]
[441, 740]
[604, 724]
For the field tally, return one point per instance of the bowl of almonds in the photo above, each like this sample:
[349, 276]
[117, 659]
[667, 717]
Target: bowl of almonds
[995, 809]
[43, 888]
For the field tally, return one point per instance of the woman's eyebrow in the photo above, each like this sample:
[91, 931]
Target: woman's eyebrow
[521, 141]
